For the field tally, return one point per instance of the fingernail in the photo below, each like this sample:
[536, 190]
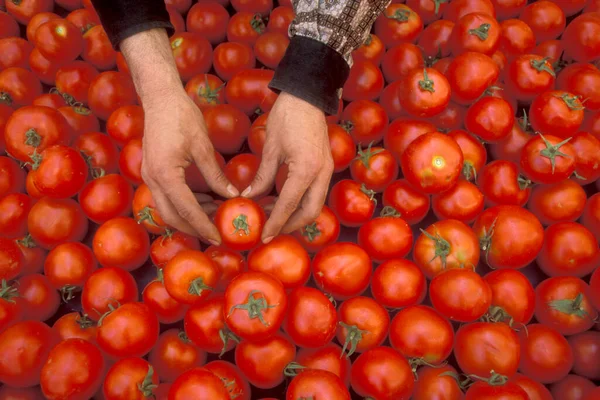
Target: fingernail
[267, 240]
[247, 191]
[214, 242]
[232, 190]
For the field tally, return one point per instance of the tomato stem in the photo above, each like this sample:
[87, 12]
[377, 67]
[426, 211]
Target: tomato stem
[209, 94]
[469, 171]
[524, 122]
[226, 335]
[293, 369]
[111, 308]
[311, 231]
[27, 241]
[183, 337]
[543, 65]
[553, 150]
[523, 182]
[400, 15]
[442, 247]
[5, 98]
[369, 40]
[16, 2]
[570, 306]
[368, 192]
[415, 363]
[240, 223]
[485, 241]
[254, 306]
[426, 84]
[481, 32]
[36, 160]
[258, 24]
[32, 138]
[495, 379]
[437, 4]
[577, 176]
[389, 211]
[365, 155]
[67, 292]
[147, 386]
[197, 286]
[145, 214]
[80, 109]
[573, 102]
[8, 292]
[353, 337]
[347, 126]
[84, 321]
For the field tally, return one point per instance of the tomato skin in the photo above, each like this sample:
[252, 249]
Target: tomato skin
[560, 202]
[365, 120]
[19, 87]
[11, 311]
[511, 147]
[105, 198]
[432, 384]
[198, 383]
[15, 52]
[54, 221]
[24, 348]
[561, 257]
[534, 389]
[501, 183]
[101, 152]
[404, 131]
[513, 293]
[398, 24]
[581, 79]
[249, 91]
[231, 58]
[59, 172]
[209, 20]
[374, 167]
[400, 60]
[240, 222]
[474, 153]
[412, 204]
[13, 218]
[230, 263]
[342, 147]
[587, 160]
[572, 387]
[109, 91]
[245, 27]
[73, 370]
[312, 319]
[192, 53]
[190, 276]
[59, 40]
[121, 242]
[516, 38]
[174, 354]
[97, 49]
[83, 18]
[580, 38]
[75, 326]
[591, 216]
[490, 118]
[123, 377]
[460, 294]
[145, 212]
[33, 255]
[426, 92]
[586, 347]
[10, 393]
[398, 283]
[126, 123]
[206, 90]
[464, 202]
[382, 373]
[314, 382]
[390, 100]
[342, 270]
[164, 248]
[485, 391]
[262, 362]
[365, 82]
[326, 358]
[10, 28]
[464, 37]
[386, 238]
[528, 76]
[203, 323]
[546, 19]
[24, 11]
[323, 231]
[372, 49]
[545, 354]
[11, 259]
[69, 265]
[556, 113]
[238, 386]
[470, 74]
[75, 79]
[40, 299]
[166, 308]
[227, 127]
[270, 48]
[80, 119]
[357, 316]
[106, 286]
[280, 19]
[352, 205]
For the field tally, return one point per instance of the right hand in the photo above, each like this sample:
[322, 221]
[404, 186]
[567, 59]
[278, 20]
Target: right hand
[175, 136]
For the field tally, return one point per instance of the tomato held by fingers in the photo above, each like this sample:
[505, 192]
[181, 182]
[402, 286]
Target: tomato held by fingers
[365, 120]
[398, 24]
[240, 222]
[174, 354]
[501, 183]
[145, 212]
[382, 373]
[437, 382]
[432, 162]
[469, 75]
[386, 237]
[314, 382]
[352, 203]
[342, 270]
[464, 202]
[560, 202]
[190, 277]
[104, 287]
[412, 204]
[121, 242]
[241, 170]
[323, 231]
[74, 325]
[374, 167]
[545, 354]
[311, 321]
[326, 358]
[130, 378]
[54, 221]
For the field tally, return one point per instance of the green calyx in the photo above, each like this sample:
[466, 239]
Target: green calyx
[553, 150]
[442, 247]
[353, 336]
[365, 155]
[481, 32]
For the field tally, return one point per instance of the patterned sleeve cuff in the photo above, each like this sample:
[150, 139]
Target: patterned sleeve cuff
[313, 72]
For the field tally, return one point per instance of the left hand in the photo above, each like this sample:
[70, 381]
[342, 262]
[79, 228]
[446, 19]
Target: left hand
[297, 136]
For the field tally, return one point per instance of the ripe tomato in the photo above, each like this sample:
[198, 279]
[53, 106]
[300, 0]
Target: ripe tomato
[204, 324]
[425, 93]
[106, 197]
[311, 321]
[270, 48]
[398, 24]
[74, 325]
[511, 147]
[586, 349]
[382, 373]
[412, 204]
[245, 27]
[352, 203]
[436, 382]
[74, 370]
[545, 18]
[44, 69]
[404, 131]
[587, 160]
[460, 294]
[249, 91]
[326, 358]
[33, 129]
[591, 215]
[35, 22]
[280, 19]
[323, 231]
[14, 209]
[552, 49]
[516, 38]
[210, 20]
[24, 348]
[452, 117]
[387, 237]
[58, 40]
[262, 7]
[109, 91]
[390, 100]
[529, 75]
[231, 263]
[166, 308]
[174, 354]
[241, 170]
[40, 299]
[198, 380]
[315, 382]
[54, 221]
[80, 119]
[227, 127]
[363, 325]
[400, 60]
[398, 283]
[509, 236]
[190, 276]
[74, 79]
[130, 378]
[469, 75]
[16, 52]
[68, 266]
[572, 387]
[534, 389]
[59, 171]
[372, 49]
[556, 113]
[33, 255]
[255, 305]
[11, 259]
[100, 152]
[258, 134]
[10, 28]
[365, 120]
[342, 270]
[231, 58]
[126, 123]
[97, 49]
[464, 202]
[460, 8]
[192, 53]
[513, 297]
[11, 310]
[206, 90]
[83, 18]
[435, 38]
[236, 384]
[365, 82]
[484, 390]
[240, 222]
[145, 212]
[545, 354]
[581, 79]
[476, 349]
[422, 335]
[25, 10]
[501, 183]
[375, 167]
[560, 202]
[263, 361]
[121, 242]
[18, 87]
[478, 32]
[131, 330]
[580, 38]
[106, 286]
[491, 118]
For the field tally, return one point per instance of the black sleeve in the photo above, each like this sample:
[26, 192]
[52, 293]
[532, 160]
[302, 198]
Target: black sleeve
[312, 71]
[124, 18]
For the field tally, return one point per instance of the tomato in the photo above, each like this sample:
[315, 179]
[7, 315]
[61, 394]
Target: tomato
[11, 310]
[432, 162]
[437, 383]
[231, 58]
[586, 348]
[400, 60]
[262, 362]
[15, 52]
[478, 32]
[164, 248]
[534, 389]
[25, 10]
[97, 49]
[315, 382]
[10, 393]
[547, 159]
[591, 215]
[109, 91]
[545, 354]
[425, 92]
[560, 202]
[372, 49]
[270, 48]
[24, 348]
[326, 358]
[130, 378]
[80, 119]
[469, 75]
[572, 387]
[166, 308]
[206, 90]
[5, 113]
[245, 27]
[580, 79]
[375, 167]
[131, 330]
[106, 286]
[99, 151]
[511, 147]
[70, 4]
[192, 53]
[390, 100]
[323, 231]
[204, 324]
[464, 202]
[342, 146]
[198, 383]
[352, 203]
[513, 297]
[501, 183]
[174, 354]
[490, 118]
[74, 79]
[461, 8]
[59, 40]
[18, 87]
[209, 20]
[545, 18]
[13, 177]
[365, 82]
[33, 129]
[59, 171]
[130, 161]
[492, 390]
[44, 69]
[382, 373]
[342, 270]
[530, 75]
[553, 49]
[516, 38]
[54, 221]
[106, 197]
[398, 283]
[74, 370]
[587, 160]
[387, 237]
[40, 300]
[434, 41]
[126, 123]
[452, 117]
[236, 384]
[412, 204]
[190, 276]
[556, 113]
[14, 209]
[75, 326]
[10, 28]
[398, 24]
[249, 91]
[121, 242]
[404, 131]
[580, 40]
[230, 263]
[33, 255]
[240, 222]
[83, 19]
[365, 120]
[68, 266]
[145, 212]
[241, 170]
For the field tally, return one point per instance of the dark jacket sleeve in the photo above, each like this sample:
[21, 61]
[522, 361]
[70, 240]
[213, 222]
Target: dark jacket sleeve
[124, 18]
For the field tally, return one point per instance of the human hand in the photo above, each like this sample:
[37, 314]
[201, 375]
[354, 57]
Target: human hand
[175, 136]
[296, 136]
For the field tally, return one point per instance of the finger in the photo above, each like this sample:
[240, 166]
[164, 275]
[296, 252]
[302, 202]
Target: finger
[209, 208]
[187, 206]
[265, 176]
[169, 214]
[291, 194]
[213, 174]
[203, 198]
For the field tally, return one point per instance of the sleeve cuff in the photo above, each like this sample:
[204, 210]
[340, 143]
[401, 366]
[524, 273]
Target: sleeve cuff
[117, 37]
[312, 71]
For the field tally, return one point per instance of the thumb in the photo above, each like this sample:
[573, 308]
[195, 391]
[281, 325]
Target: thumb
[265, 176]
[213, 174]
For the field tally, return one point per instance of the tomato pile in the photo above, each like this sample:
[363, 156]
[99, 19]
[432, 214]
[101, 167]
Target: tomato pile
[457, 256]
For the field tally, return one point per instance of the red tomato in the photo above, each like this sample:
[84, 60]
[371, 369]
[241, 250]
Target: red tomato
[591, 216]
[15, 52]
[10, 28]
[490, 390]
[375, 167]
[74, 79]
[198, 380]
[315, 382]
[412, 204]
[59, 40]
[401, 60]
[342, 270]
[75, 326]
[580, 38]
[547, 159]
[97, 49]
[326, 358]
[511, 147]
[166, 308]
[249, 91]
[99, 151]
[245, 27]
[490, 118]
[231, 58]
[572, 387]
[556, 113]
[580, 79]
[534, 389]
[404, 131]
[552, 49]
[398, 24]
[59, 171]
[342, 146]
[126, 123]
[280, 19]
[241, 170]
[130, 378]
[270, 48]
[130, 161]
[44, 69]
[25, 10]
[390, 100]
[363, 325]
[12, 178]
[55, 221]
[24, 348]
[164, 248]
[422, 334]
[398, 283]
[174, 354]
[230, 263]
[68, 266]
[387, 237]
[70, 4]
[365, 120]
[83, 18]
[80, 119]
[501, 183]
[192, 53]
[208, 19]
[587, 160]
[586, 349]
[545, 18]
[33, 255]
[263, 361]
[545, 354]
[145, 212]
[478, 32]
[425, 93]
[432, 162]
[121, 242]
[560, 202]
[365, 82]
[513, 297]
[460, 8]
[105, 198]
[190, 276]
[464, 202]
[323, 231]
[11, 259]
[240, 222]
[204, 324]
[14, 209]
[516, 38]
[227, 127]
[435, 382]
[106, 286]
[11, 310]
[372, 49]
[181, 6]
[469, 75]
[206, 90]
[40, 299]
[352, 203]
[452, 117]
[311, 321]
[529, 75]
[109, 91]
[74, 370]
[18, 87]
[382, 373]
[435, 38]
